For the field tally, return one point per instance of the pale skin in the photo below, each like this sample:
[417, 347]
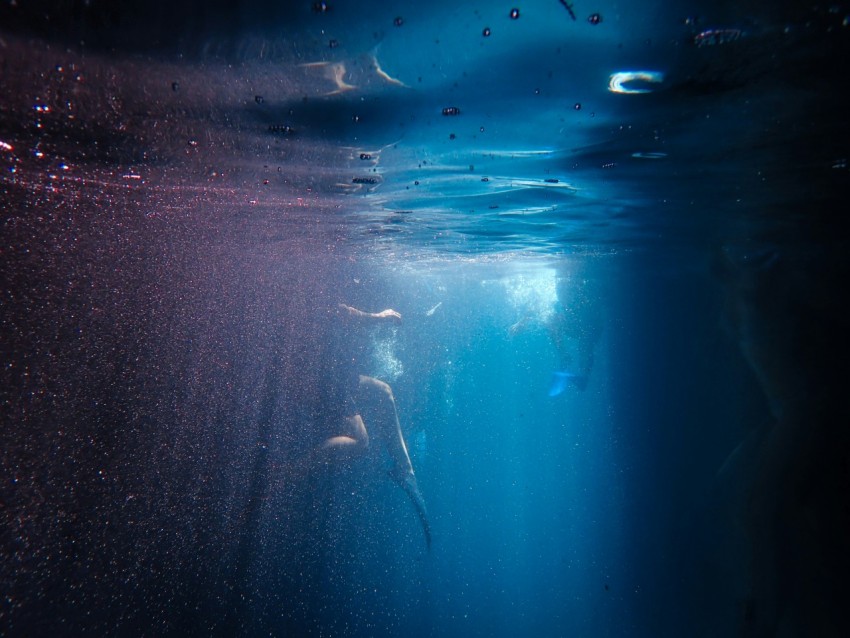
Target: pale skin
[375, 399]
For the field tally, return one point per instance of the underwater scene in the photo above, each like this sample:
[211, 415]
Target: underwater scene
[391, 318]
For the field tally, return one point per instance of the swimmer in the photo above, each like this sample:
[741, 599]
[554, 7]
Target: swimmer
[574, 327]
[367, 400]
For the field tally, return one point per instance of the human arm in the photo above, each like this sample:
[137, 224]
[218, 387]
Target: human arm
[389, 313]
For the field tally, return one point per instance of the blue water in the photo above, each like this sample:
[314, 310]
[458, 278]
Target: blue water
[188, 191]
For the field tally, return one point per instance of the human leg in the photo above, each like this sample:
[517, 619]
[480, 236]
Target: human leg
[377, 397]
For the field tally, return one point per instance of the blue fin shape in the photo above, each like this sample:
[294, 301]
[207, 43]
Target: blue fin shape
[559, 382]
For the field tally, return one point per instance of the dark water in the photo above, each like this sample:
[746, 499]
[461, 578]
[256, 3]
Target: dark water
[187, 188]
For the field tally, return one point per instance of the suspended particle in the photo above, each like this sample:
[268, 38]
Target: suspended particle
[398, 21]
[416, 183]
[486, 32]
[536, 91]
[193, 143]
[481, 129]
[175, 86]
[281, 129]
[713, 37]
[569, 8]
[514, 14]
[333, 44]
[451, 110]
[577, 106]
[321, 7]
[452, 136]
[355, 118]
[259, 99]
[594, 18]
[265, 182]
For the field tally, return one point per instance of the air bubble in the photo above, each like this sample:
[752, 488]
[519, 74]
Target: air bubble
[486, 32]
[398, 21]
[594, 18]
[514, 14]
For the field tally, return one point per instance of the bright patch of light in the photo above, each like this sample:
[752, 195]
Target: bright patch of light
[617, 81]
[532, 294]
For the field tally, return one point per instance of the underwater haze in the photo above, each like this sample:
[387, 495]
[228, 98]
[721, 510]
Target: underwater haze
[424, 319]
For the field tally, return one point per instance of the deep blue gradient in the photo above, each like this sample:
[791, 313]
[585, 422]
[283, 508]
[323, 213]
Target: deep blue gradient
[189, 190]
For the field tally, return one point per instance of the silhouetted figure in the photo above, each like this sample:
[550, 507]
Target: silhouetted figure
[575, 327]
[360, 394]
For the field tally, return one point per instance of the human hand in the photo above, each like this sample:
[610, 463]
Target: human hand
[389, 313]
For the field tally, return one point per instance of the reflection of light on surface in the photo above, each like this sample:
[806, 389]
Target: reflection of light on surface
[649, 155]
[617, 80]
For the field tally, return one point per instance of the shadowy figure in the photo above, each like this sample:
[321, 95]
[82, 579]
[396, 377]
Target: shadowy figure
[790, 323]
[360, 396]
[574, 327]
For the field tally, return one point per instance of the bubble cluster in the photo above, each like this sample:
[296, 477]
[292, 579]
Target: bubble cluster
[451, 110]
